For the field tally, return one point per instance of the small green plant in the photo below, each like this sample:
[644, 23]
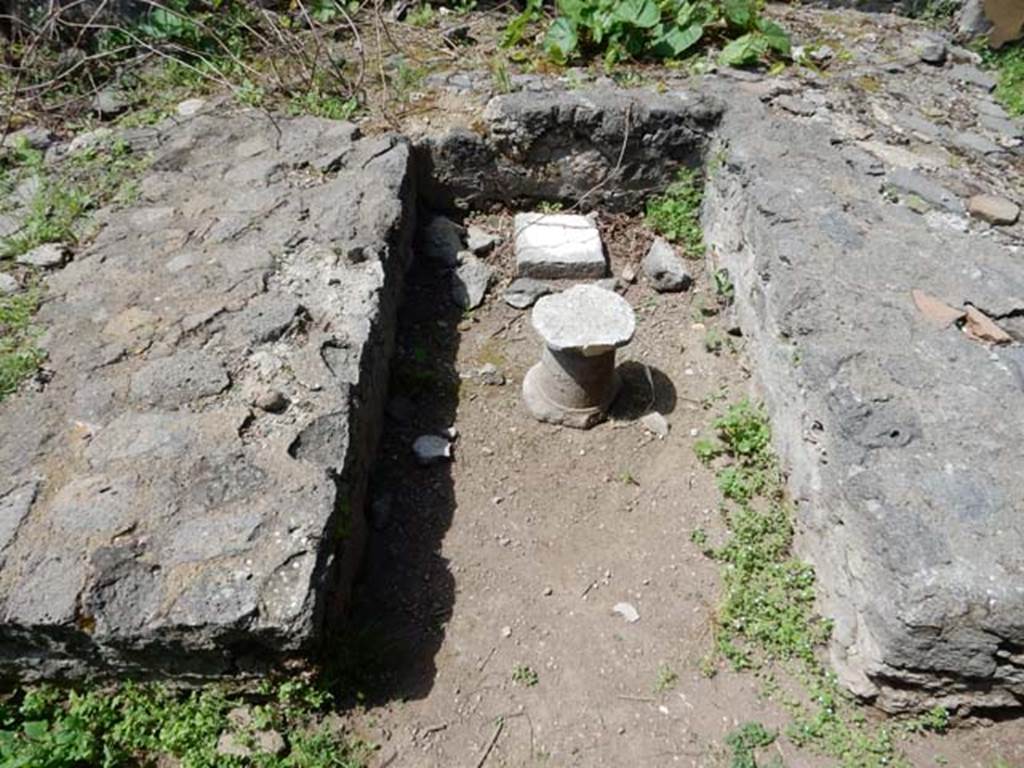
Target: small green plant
[724, 288]
[935, 720]
[714, 341]
[500, 75]
[19, 355]
[422, 15]
[666, 680]
[319, 103]
[744, 741]
[1008, 62]
[525, 676]
[626, 478]
[675, 215]
[549, 206]
[635, 29]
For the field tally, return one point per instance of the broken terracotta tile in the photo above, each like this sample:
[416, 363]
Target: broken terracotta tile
[981, 327]
[936, 312]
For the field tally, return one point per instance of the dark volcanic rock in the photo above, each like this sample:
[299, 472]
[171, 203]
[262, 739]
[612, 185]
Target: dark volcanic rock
[902, 439]
[566, 146]
[151, 521]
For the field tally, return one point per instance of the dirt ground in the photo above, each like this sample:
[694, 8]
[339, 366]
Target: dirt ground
[488, 636]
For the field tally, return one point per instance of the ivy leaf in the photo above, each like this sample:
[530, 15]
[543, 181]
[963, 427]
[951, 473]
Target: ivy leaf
[744, 50]
[639, 13]
[677, 41]
[561, 39]
[775, 36]
[740, 14]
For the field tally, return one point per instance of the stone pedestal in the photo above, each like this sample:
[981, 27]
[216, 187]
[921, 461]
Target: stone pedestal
[575, 381]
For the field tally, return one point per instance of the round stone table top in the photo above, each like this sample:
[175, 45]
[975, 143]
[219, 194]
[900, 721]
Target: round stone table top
[586, 318]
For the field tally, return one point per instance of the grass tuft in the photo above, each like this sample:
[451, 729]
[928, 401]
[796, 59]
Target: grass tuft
[767, 614]
[19, 355]
[1008, 62]
[675, 215]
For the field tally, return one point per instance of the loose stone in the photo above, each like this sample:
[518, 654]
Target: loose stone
[442, 240]
[575, 381]
[480, 241]
[665, 269]
[994, 209]
[44, 256]
[558, 246]
[110, 102]
[8, 284]
[491, 375]
[271, 401]
[931, 51]
[470, 281]
[627, 611]
[523, 292]
[656, 423]
[190, 107]
[431, 449]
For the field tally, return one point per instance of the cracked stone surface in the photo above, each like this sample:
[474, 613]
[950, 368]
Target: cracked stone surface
[151, 521]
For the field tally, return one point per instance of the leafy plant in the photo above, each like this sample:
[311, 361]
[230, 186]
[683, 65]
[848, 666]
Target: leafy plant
[667, 679]
[1008, 62]
[525, 675]
[675, 215]
[65, 196]
[634, 29]
[744, 741]
[135, 724]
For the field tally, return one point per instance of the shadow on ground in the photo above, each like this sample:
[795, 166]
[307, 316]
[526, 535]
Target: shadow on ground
[644, 389]
[405, 593]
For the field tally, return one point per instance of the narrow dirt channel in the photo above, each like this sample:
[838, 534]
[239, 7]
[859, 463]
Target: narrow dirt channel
[487, 631]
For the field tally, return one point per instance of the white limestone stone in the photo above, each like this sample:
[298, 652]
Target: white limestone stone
[553, 246]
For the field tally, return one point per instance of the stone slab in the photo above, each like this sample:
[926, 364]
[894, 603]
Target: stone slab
[152, 520]
[902, 439]
[558, 246]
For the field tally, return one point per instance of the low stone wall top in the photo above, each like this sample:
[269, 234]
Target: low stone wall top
[184, 494]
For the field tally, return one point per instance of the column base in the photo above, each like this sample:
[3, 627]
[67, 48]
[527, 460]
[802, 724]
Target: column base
[543, 408]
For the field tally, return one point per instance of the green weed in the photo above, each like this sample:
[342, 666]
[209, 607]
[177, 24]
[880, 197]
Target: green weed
[65, 195]
[767, 613]
[525, 676]
[666, 680]
[136, 724]
[744, 741]
[422, 15]
[19, 355]
[675, 215]
[1008, 62]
